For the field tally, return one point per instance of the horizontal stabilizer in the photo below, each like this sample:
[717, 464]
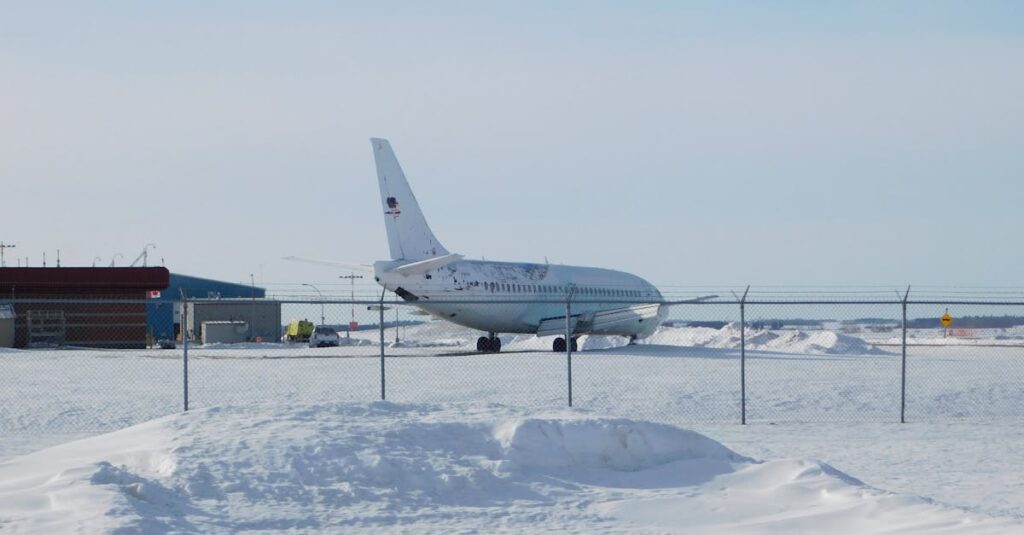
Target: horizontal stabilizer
[423, 266]
[344, 265]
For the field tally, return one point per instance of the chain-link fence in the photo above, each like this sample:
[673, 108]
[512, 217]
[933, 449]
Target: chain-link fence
[80, 366]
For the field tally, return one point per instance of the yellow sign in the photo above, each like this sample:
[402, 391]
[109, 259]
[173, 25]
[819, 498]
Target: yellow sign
[946, 320]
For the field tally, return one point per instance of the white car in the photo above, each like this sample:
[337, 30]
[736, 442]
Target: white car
[324, 336]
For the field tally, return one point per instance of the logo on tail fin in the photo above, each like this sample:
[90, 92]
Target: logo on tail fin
[392, 207]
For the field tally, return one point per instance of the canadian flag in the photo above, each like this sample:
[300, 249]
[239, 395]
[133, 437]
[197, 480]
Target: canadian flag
[153, 294]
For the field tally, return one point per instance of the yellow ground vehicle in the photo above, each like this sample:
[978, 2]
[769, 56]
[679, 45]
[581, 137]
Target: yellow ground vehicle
[299, 331]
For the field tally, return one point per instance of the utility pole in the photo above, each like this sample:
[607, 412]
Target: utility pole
[352, 277]
[6, 246]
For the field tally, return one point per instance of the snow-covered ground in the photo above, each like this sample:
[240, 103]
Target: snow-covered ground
[810, 395]
[416, 467]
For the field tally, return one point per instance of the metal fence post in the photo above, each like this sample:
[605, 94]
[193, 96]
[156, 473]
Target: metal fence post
[903, 370]
[743, 357]
[184, 340]
[568, 342]
[382, 391]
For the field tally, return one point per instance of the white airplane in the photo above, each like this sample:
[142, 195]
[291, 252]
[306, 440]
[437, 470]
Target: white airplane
[514, 297]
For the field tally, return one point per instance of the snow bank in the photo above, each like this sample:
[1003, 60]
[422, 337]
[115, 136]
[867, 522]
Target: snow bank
[439, 342]
[438, 334]
[246, 345]
[783, 341]
[382, 467]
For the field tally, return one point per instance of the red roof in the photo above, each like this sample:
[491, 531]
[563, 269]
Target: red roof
[82, 280]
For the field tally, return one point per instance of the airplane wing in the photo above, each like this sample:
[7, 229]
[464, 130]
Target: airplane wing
[607, 319]
[598, 322]
[343, 265]
[556, 325]
[694, 300]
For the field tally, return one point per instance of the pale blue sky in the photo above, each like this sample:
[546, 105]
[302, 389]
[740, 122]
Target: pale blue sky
[780, 143]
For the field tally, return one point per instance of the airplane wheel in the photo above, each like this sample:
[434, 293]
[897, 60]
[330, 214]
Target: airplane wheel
[574, 345]
[495, 345]
[482, 344]
[559, 345]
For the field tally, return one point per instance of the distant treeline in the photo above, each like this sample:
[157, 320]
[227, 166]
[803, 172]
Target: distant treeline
[965, 322]
[969, 322]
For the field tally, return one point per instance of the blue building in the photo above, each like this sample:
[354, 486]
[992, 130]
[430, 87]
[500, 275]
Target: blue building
[163, 314]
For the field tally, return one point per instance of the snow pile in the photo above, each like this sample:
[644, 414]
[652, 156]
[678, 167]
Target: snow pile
[383, 467]
[587, 342]
[350, 341]
[783, 341]
[442, 334]
[246, 345]
[604, 444]
[439, 342]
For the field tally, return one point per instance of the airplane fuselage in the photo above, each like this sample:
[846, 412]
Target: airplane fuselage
[508, 297]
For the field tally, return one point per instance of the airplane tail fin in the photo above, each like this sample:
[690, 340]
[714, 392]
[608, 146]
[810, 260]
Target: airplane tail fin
[409, 236]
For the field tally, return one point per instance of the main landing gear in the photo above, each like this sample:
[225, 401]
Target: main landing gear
[559, 345]
[488, 344]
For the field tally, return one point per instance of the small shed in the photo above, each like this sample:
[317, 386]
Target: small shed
[7, 318]
[224, 332]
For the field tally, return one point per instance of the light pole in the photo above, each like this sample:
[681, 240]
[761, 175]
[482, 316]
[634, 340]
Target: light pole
[6, 246]
[321, 301]
[351, 277]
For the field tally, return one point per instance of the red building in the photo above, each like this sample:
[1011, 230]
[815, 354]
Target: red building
[81, 306]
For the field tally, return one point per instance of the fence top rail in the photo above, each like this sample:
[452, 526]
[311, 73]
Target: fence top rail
[625, 301]
[894, 301]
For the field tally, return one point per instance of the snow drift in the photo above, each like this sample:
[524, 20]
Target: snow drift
[382, 466]
[783, 341]
[728, 337]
